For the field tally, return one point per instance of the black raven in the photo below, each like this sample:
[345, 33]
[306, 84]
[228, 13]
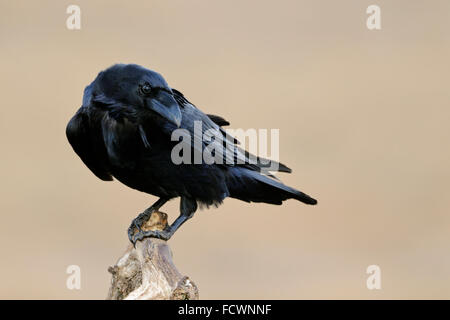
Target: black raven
[124, 130]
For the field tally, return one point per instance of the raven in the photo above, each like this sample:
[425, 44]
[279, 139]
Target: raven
[124, 130]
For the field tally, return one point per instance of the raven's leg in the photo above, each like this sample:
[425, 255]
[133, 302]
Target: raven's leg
[142, 218]
[187, 209]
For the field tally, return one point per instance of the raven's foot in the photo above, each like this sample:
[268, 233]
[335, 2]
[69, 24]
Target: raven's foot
[153, 224]
[159, 234]
[136, 224]
[149, 224]
[149, 219]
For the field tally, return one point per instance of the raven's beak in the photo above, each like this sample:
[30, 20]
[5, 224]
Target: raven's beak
[166, 106]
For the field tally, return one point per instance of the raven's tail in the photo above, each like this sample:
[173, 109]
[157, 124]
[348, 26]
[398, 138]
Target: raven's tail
[251, 186]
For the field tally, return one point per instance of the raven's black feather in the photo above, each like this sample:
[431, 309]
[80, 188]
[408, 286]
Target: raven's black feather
[218, 120]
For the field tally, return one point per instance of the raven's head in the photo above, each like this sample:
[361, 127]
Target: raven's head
[135, 87]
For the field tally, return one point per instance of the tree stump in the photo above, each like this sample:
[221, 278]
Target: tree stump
[147, 272]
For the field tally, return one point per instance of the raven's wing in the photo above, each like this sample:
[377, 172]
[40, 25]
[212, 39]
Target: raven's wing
[82, 135]
[226, 148]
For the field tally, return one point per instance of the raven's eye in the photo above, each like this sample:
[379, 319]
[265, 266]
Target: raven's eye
[145, 88]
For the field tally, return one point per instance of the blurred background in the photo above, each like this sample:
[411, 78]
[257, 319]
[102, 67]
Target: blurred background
[364, 124]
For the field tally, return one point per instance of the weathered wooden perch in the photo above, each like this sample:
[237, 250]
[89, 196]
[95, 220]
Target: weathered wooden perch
[147, 272]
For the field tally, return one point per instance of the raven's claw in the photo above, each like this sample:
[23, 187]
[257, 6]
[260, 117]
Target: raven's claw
[135, 231]
[159, 234]
[135, 227]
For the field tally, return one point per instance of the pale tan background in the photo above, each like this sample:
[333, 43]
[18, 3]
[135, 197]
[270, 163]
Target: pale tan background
[364, 118]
